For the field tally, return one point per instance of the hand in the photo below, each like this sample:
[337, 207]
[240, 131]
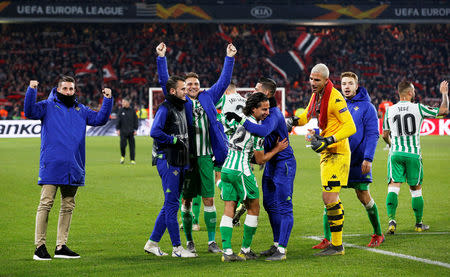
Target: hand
[134, 133]
[107, 92]
[366, 166]
[179, 143]
[309, 136]
[230, 116]
[231, 50]
[444, 87]
[281, 145]
[319, 143]
[291, 122]
[118, 132]
[161, 49]
[34, 84]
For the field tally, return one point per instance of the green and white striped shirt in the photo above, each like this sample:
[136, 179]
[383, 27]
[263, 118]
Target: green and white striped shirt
[404, 121]
[231, 103]
[201, 126]
[241, 146]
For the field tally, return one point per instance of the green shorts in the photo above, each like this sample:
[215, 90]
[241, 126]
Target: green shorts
[404, 167]
[358, 186]
[199, 180]
[236, 186]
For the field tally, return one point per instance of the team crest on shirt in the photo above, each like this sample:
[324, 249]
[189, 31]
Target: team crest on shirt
[175, 172]
[356, 108]
[77, 108]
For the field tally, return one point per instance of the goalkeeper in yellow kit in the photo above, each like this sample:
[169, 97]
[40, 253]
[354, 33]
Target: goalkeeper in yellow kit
[336, 125]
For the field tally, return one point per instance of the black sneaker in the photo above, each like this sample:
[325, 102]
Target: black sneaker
[270, 251]
[41, 254]
[277, 256]
[331, 251]
[250, 255]
[65, 253]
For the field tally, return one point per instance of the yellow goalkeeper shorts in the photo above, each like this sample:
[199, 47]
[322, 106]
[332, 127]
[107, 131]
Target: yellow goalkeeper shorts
[334, 170]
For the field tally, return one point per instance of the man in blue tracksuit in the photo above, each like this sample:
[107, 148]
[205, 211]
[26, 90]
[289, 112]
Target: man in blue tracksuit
[362, 145]
[207, 139]
[171, 157]
[62, 159]
[279, 172]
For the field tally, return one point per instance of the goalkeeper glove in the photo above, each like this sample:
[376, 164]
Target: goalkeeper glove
[319, 143]
[291, 122]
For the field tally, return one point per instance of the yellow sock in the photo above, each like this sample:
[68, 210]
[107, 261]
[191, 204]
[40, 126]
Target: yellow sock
[335, 213]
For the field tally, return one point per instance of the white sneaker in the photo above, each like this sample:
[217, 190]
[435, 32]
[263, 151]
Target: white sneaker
[153, 248]
[180, 252]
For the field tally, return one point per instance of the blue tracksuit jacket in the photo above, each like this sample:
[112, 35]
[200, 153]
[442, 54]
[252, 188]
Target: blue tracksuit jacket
[63, 135]
[364, 142]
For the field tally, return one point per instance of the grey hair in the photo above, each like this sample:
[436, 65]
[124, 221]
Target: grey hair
[322, 69]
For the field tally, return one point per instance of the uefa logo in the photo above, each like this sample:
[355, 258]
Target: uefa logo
[261, 12]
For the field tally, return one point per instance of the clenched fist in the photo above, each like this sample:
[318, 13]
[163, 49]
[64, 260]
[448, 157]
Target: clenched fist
[34, 84]
[161, 49]
[231, 50]
[107, 92]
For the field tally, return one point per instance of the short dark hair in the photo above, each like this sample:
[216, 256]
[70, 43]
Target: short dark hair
[254, 101]
[66, 78]
[404, 85]
[191, 75]
[172, 82]
[268, 84]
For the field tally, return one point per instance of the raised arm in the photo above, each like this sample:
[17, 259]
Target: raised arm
[443, 109]
[216, 91]
[32, 109]
[161, 65]
[101, 117]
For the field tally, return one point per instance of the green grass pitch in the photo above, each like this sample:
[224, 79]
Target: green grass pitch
[117, 208]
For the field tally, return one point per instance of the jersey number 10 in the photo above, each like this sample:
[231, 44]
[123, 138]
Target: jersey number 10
[408, 129]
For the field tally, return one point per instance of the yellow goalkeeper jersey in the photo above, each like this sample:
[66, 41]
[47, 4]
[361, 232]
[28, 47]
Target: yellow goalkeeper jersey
[339, 122]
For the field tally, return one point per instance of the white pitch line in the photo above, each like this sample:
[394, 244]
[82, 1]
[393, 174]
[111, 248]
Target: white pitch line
[388, 253]
[416, 234]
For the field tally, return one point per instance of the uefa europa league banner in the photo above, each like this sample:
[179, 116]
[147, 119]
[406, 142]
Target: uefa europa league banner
[80, 11]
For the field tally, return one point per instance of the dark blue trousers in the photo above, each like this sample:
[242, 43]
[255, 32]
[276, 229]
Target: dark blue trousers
[172, 180]
[277, 187]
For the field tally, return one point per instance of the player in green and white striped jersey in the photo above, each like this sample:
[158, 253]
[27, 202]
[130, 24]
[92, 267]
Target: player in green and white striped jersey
[238, 181]
[401, 131]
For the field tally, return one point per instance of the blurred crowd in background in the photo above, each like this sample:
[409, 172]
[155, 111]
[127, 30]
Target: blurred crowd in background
[122, 57]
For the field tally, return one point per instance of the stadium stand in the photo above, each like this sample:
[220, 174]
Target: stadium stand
[381, 54]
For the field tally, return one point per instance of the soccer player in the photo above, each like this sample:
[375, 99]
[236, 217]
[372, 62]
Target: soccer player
[171, 157]
[238, 181]
[401, 131]
[382, 108]
[231, 101]
[279, 172]
[336, 123]
[62, 159]
[206, 138]
[362, 145]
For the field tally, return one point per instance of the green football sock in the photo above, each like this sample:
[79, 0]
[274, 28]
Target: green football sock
[391, 204]
[250, 225]
[374, 219]
[326, 225]
[187, 224]
[196, 204]
[210, 221]
[226, 233]
[417, 205]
